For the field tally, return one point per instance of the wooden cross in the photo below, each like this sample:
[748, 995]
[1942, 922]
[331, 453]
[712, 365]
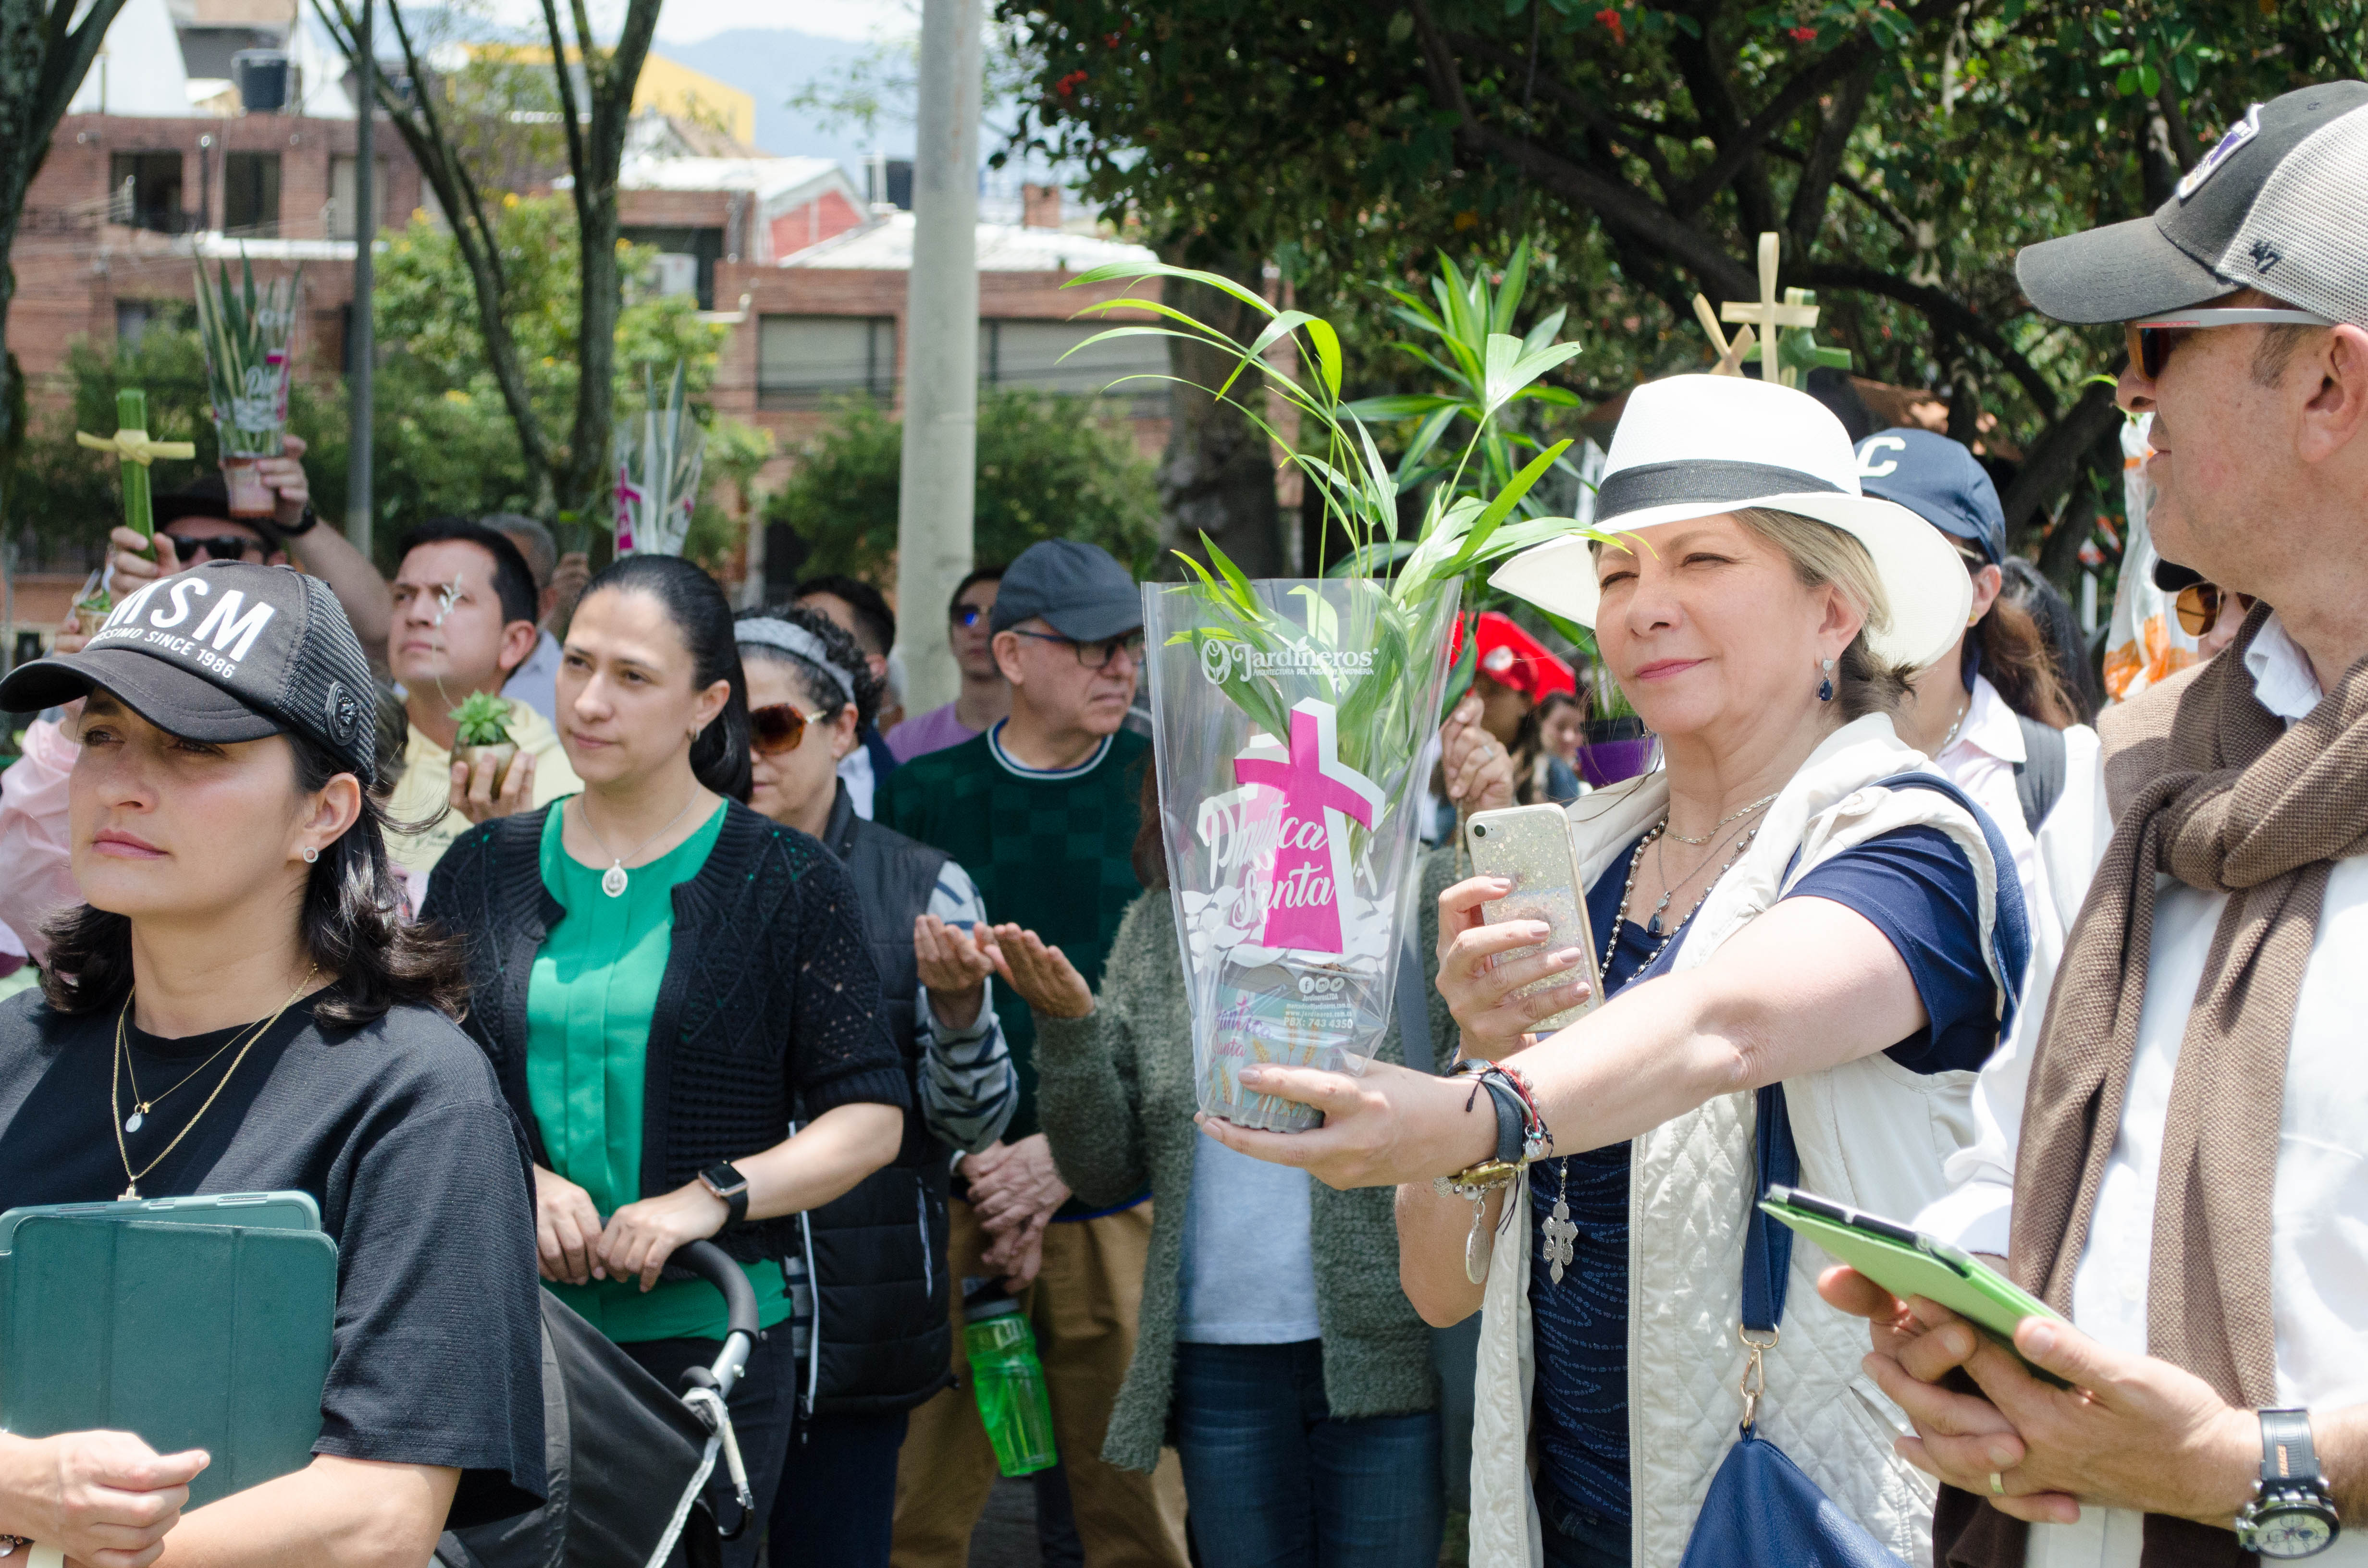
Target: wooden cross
[135, 451]
[1730, 355]
[1765, 312]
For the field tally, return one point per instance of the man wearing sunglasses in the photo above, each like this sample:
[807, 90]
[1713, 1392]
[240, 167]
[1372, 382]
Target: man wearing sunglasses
[2183, 1185]
[986, 697]
[1041, 809]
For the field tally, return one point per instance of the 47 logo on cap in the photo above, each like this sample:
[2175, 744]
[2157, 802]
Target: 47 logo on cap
[229, 624]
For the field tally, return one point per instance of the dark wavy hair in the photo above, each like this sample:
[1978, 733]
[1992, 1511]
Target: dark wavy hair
[846, 655]
[693, 601]
[351, 924]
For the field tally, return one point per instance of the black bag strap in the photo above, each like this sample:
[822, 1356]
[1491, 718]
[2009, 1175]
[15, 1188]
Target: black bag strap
[2039, 778]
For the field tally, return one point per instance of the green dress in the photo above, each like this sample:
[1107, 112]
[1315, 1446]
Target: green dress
[589, 1002]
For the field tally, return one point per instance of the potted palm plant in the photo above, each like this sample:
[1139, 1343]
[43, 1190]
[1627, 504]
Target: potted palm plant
[247, 331]
[1291, 713]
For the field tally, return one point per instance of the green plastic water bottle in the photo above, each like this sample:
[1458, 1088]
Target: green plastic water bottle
[1007, 1380]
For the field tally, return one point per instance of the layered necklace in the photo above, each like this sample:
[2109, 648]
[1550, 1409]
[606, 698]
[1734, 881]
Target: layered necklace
[141, 1107]
[614, 881]
[1654, 927]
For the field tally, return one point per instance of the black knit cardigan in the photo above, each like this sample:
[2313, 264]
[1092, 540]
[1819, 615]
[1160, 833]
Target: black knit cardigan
[770, 995]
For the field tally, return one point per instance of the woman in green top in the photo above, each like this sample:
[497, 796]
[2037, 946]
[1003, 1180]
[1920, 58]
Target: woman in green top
[668, 985]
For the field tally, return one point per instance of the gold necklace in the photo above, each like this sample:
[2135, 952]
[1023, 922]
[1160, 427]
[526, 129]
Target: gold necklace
[141, 1107]
[123, 1058]
[1738, 812]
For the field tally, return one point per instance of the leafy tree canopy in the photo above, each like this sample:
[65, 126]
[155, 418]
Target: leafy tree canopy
[1905, 150]
[1047, 468]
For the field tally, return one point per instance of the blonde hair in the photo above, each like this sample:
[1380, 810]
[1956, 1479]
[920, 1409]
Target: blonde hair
[1824, 556]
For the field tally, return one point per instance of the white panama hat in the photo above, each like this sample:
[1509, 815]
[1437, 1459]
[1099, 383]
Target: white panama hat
[1697, 446]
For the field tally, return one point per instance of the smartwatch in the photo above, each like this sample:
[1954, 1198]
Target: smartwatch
[305, 522]
[723, 1179]
[2292, 1514]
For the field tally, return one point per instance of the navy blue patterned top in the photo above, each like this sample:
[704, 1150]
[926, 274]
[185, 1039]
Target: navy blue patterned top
[1918, 890]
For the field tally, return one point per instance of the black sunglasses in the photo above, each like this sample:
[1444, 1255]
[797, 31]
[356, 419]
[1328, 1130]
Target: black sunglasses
[217, 547]
[776, 728]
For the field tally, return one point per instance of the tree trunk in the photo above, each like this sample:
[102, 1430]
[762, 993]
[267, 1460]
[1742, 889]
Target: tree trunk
[582, 489]
[1217, 475]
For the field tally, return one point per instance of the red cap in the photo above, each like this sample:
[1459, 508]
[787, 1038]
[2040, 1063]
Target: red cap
[1511, 657]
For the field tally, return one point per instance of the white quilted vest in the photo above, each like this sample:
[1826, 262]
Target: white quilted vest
[1870, 1134]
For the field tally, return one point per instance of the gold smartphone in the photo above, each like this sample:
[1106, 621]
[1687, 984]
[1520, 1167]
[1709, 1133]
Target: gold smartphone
[1529, 846]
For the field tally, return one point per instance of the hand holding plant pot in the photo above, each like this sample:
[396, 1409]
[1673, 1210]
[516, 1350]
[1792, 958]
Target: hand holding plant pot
[490, 778]
[247, 329]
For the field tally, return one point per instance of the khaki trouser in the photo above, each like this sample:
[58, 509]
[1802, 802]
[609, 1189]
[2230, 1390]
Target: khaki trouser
[1083, 1307]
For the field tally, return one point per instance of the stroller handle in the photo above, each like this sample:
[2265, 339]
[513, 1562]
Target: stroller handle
[713, 1264]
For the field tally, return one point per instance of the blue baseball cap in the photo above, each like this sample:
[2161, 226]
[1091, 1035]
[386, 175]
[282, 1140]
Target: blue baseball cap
[1938, 480]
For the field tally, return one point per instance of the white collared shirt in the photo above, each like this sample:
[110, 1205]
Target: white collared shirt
[2318, 1218]
[1981, 761]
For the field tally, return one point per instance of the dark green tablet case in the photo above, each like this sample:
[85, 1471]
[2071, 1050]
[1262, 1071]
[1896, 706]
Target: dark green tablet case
[211, 1336]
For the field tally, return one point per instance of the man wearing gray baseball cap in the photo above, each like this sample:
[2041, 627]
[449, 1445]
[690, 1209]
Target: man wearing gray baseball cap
[1042, 810]
[2183, 1183]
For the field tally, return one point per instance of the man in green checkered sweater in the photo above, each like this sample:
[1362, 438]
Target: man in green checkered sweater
[1043, 808]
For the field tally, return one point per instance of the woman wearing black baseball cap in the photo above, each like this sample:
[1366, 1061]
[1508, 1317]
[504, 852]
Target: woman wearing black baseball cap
[237, 1007]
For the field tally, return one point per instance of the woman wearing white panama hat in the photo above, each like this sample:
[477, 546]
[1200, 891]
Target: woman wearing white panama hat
[1788, 910]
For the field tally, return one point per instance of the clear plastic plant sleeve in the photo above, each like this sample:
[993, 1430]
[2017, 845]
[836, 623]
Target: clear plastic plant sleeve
[1290, 717]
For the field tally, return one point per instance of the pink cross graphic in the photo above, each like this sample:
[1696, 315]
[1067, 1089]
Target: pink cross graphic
[628, 497]
[1320, 796]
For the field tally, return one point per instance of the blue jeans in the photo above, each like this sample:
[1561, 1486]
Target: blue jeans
[1273, 1481]
[838, 1493]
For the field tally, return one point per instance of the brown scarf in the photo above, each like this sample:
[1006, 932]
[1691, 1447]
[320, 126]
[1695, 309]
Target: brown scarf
[2210, 786]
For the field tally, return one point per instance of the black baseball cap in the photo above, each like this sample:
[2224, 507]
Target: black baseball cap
[227, 651]
[2274, 205]
[207, 496]
[1939, 480]
[1078, 589]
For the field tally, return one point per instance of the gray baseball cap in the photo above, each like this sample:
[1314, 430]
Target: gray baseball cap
[1078, 589]
[2280, 204]
[227, 651]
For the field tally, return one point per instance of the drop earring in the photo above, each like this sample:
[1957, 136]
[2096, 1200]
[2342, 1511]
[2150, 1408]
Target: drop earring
[1825, 687]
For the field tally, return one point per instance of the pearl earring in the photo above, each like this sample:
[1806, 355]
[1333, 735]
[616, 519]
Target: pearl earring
[1825, 687]
[311, 855]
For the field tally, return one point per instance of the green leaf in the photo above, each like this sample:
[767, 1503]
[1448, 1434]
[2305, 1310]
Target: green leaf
[1109, 270]
[1327, 352]
[1399, 405]
[1509, 369]
[1485, 524]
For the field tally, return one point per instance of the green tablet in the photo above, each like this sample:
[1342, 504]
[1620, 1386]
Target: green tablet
[1909, 1262]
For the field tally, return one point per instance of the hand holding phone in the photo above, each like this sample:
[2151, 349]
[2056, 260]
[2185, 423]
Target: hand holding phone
[1530, 847]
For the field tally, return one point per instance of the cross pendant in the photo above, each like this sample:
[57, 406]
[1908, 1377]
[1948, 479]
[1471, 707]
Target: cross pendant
[1559, 1233]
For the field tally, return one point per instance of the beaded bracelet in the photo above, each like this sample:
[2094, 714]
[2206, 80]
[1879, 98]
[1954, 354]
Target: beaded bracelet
[1522, 1139]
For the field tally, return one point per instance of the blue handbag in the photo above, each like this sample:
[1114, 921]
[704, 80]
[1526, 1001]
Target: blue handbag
[1760, 1508]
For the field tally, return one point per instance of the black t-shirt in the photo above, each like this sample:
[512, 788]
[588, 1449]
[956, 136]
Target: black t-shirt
[400, 1135]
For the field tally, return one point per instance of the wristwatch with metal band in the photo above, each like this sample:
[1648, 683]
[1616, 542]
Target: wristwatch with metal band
[723, 1179]
[2292, 1514]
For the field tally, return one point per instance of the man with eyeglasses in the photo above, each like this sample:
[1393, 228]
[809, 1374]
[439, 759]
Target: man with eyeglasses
[193, 526]
[1042, 810]
[2184, 1184]
[986, 696]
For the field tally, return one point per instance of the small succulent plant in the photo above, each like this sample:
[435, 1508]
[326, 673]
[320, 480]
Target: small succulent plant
[483, 719]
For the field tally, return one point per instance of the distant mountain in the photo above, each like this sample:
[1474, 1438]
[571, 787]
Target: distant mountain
[771, 64]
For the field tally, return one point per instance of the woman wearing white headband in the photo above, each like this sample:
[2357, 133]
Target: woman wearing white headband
[1778, 907]
[877, 1338]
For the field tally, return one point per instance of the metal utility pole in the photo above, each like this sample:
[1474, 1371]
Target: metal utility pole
[361, 339]
[937, 499]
